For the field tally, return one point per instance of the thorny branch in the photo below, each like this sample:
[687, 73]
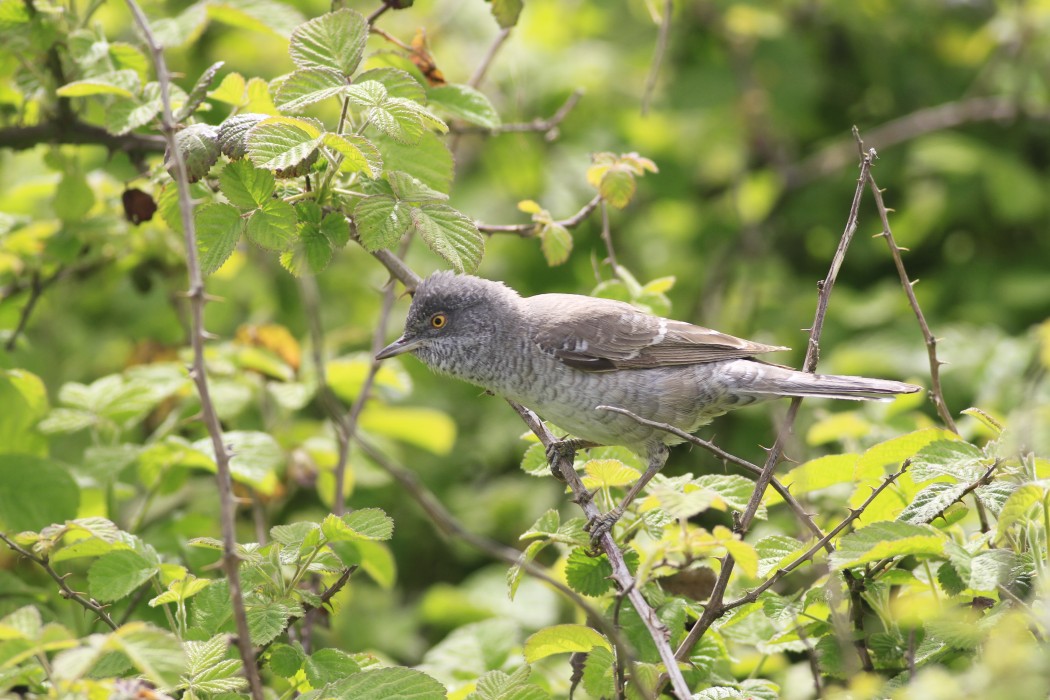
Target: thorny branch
[715, 607]
[87, 603]
[620, 574]
[196, 294]
[529, 230]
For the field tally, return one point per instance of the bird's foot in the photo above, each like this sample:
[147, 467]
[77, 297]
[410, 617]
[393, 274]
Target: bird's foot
[564, 451]
[601, 525]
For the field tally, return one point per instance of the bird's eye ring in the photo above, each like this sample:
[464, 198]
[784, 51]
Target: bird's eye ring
[438, 320]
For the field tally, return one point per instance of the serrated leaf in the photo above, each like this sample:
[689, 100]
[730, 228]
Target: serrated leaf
[507, 12]
[364, 524]
[123, 83]
[599, 673]
[199, 145]
[411, 189]
[617, 186]
[592, 576]
[534, 461]
[931, 502]
[312, 250]
[255, 458]
[733, 491]
[116, 574]
[385, 683]
[233, 134]
[819, 473]
[157, 654]
[603, 473]
[132, 112]
[466, 103]
[887, 539]
[273, 225]
[181, 590]
[245, 185]
[335, 40]
[279, 143]
[266, 621]
[328, 665]
[745, 555]
[556, 243]
[219, 228]
[560, 639]
[199, 91]
[286, 660]
[429, 160]
[307, 86]
[359, 154]
[894, 451]
[954, 458]
[398, 83]
[774, 550]
[1017, 507]
[450, 234]
[381, 222]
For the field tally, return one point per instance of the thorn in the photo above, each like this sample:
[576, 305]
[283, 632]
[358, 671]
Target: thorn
[881, 234]
[208, 335]
[906, 250]
[890, 210]
[212, 297]
[912, 283]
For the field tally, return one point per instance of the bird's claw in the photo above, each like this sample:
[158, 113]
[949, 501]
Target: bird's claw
[557, 452]
[602, 525]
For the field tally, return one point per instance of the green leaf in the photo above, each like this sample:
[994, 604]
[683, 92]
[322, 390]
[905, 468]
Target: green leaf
[286, 660]
[429, 160]
[733, 491]
[1016, 508]
[73, 197]
[115, 575]
[312, 250]
[534, 461]
[181, 590]
[464, 102]
[401, 119]
[233, 134]
[374, 558]
[208, 670]
[590, 576]
[819, 473]
[273, 225]
[411, 189]
[381, 222]
[246, 186]
[398, 83]
[359, 154]
[268, 620]
[931, 502]
[556, 243]
[561, 639]
[335, 40]
[775, 551]
[199, 92]
[507, 12]
[307, 86]
[887, 539]
[450, 234]
[219, 228]
[517, 571]
[603, 473]
[364, 524]
[130, 113]
[385, 683]
[124, 83]
[617, 186]
[955, 458]
[278, 143]
[497, 685]
[156, 654]
[599, 673]
[255, 458]
[25, 479]
[199, 145]
[894, 451]
[329, 665]
[24, 397]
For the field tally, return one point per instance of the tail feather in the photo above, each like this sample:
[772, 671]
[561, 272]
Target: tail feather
[778, 381]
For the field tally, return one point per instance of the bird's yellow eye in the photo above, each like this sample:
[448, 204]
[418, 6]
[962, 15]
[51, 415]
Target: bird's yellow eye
[438, 320]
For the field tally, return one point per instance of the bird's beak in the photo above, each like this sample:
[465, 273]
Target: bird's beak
[399, 347]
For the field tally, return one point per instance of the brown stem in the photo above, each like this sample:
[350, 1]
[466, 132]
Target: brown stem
[490, 55]
[662, 40]
[548, 127]
[620, 574]
[196, 294]
[529, 230]
[67, 592]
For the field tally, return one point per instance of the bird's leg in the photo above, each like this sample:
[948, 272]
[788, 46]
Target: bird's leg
[565, 450]
[603, 524]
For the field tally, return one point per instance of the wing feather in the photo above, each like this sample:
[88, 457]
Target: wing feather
[602, 335]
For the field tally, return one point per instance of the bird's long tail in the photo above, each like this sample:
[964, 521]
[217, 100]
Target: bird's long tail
[770, 380]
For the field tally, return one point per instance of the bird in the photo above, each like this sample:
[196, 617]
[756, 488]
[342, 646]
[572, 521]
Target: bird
[565, 355]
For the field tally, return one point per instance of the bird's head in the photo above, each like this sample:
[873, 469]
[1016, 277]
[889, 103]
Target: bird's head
[452, 319]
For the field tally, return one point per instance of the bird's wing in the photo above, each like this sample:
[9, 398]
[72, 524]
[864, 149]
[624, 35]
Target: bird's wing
[601, 335]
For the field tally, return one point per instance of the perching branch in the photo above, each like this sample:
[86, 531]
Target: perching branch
[196, 295]
[620, 574]
[78, 133]
[715, 607]
[548, 127]
[529, 230]
[68, 593]
[490, 56]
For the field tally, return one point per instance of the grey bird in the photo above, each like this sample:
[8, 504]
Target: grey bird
[564, 355]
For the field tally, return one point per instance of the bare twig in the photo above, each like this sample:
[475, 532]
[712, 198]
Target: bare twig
[36, 288]
[715, 608]
[782, 490]
[490, 55]
[936, 391]
[548, 127]
[607, 237]
[620, 574]
[230, 560]
[376, 13]
[662, 40]
[87, 603]
[529, 230]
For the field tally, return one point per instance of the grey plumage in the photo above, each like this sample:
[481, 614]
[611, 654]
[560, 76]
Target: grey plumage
[562, 355]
